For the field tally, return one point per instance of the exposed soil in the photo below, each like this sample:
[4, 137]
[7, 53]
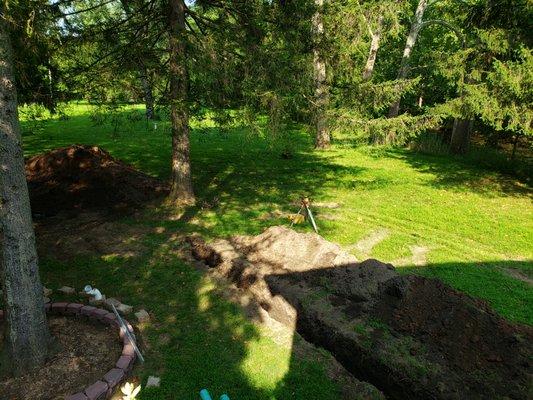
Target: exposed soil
[78, 178]
[418, 257]
[89, 234]
[85, 353]
[521, 276]
[366, 244]
[412, 337]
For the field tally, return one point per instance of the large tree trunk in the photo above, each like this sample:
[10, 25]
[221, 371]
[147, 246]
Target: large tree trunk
[322, 137]
[27, 336]
[460, 141]
[181, 191]
[373, 52]
[410, 43]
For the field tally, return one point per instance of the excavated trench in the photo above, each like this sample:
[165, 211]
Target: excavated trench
[409, 336]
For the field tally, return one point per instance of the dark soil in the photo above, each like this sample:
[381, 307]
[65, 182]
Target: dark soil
[90, 234]
[78, 178]
[411, 337]
[86, 352]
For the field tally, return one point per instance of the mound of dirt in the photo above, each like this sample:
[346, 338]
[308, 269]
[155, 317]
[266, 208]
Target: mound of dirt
[78, 177]
[411, 337]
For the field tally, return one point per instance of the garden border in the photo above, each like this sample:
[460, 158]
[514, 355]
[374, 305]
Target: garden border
[105, 387]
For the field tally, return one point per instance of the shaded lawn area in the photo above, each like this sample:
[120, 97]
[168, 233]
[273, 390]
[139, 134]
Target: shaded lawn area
[196, 339]
[475, 224]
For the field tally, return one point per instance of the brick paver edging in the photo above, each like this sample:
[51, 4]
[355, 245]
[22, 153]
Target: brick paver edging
[105, 387]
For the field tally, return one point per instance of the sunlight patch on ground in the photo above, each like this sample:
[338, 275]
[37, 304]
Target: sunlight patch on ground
[261, 355]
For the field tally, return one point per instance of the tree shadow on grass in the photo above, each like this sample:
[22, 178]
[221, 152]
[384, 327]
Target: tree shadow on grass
[237, 188]
[462, 174]
[237, 176]
[196, 339]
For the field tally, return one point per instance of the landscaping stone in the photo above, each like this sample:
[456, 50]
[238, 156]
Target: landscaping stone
[87, 310]
[153, 381]
[124, 308]
[67, 290]
[77, 396]
[46, 300]
[58, 308]
[142, 316]
[128, 349]
[125, 363]
[110, 318]
[114, 377]
[73, 308]
[97, 391]
[105, 387]
[47, 292]
[100, 314]
[112, 302]
[94, 302]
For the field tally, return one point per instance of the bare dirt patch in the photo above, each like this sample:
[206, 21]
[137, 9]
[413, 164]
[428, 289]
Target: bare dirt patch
[411, 337]
[89, 234]
[521, 276]
[79, 178]
[366, 244]
[85, 352]
[418, 257]
[78, 193]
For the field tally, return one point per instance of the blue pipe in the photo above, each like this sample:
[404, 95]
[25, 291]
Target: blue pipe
[204, 395]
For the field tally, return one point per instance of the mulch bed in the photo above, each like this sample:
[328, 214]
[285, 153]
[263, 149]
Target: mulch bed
[92, 360]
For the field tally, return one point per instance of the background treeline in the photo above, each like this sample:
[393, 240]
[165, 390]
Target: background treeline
[386, 72]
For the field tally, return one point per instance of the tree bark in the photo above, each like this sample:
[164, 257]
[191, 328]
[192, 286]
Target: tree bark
[27, 336]
[515, 145]
[410, 43]
[373, 52]
[181, 191]
[147, 92]
[321, 99]
[146, 85]
[460, 141]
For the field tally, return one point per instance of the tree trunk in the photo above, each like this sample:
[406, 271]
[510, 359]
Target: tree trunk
[147, 92]
[373, 52]
[27, 336]
[181, 191]
[515, 145]
[410, 43]
[143, 72]
[460, 141]
[322, 137]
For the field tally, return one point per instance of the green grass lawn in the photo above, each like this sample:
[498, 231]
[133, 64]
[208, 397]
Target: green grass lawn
[475, 225]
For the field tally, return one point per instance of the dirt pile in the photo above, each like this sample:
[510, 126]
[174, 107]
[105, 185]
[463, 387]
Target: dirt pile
[410, 336]
[77, 178]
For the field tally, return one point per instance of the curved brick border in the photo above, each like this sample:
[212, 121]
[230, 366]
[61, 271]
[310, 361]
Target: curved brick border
[105, 387]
